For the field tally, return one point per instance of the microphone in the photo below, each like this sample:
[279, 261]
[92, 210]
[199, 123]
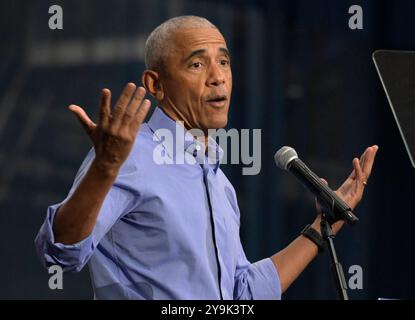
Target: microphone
[333, 207]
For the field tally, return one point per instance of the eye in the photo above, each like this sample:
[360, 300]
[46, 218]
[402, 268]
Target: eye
[225, 62]
[196, 65]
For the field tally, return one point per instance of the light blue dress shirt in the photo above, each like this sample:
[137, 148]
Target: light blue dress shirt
[165, 231]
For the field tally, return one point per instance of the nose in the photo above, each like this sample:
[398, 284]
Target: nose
[216, 76]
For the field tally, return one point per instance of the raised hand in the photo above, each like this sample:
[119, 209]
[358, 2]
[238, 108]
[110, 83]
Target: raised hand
[351, 191]
[115, 133]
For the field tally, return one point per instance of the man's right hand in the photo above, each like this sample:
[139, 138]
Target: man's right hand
[115, 133]
[113, 138]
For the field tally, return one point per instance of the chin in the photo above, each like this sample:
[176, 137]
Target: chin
[218, 122]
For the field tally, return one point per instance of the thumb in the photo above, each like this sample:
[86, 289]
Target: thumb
[83, 118]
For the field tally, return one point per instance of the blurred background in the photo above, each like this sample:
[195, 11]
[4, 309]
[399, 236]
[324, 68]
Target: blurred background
[300, 74]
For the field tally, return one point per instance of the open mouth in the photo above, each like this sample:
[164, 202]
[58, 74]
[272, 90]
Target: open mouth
[217, 101]
[217, 98]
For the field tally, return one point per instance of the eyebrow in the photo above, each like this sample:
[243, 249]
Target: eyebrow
[202, 51]
[225, 51]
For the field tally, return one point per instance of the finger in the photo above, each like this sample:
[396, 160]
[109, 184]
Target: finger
[362, 161]
[369, 160]
[104, 107]
[141, 114]
[360, 179]
[363, 157]
[324, 181]
[122, 103]
[358, 170]
[352, 174]
[83, 118]
[132, 108]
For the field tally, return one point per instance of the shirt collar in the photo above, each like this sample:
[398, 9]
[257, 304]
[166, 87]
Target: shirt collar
[187, 143]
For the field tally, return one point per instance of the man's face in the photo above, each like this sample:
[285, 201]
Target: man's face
[198, 84]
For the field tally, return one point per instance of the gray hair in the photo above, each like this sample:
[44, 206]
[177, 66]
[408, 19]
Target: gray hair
[158, 46]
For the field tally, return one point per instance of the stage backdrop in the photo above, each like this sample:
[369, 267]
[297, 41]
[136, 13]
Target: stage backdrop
[301, 75]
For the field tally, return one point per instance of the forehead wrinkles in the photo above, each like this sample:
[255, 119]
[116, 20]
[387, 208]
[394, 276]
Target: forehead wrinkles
[190, 39]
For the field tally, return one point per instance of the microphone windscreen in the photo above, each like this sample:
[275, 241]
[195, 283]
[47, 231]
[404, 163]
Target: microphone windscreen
[284, 156]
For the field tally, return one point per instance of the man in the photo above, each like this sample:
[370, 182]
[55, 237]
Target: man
[151, 231]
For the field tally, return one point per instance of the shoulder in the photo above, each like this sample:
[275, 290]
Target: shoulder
[142, 152]
[140, 163]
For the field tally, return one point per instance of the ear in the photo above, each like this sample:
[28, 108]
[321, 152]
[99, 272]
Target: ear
[151, 81]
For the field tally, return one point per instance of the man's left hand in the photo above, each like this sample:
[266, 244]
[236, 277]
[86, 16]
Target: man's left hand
[351, 191]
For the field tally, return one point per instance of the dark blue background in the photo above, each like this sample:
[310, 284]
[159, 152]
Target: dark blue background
[300, 74]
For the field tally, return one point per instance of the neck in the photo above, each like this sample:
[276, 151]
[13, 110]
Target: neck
[176, 115]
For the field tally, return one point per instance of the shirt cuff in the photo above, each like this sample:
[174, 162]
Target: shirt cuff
[266, 283]
[71, 257]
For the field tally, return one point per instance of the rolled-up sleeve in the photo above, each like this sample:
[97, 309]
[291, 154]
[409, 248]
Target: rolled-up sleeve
[252, 281]
[119, 201]
[256, 281]
[70, 257]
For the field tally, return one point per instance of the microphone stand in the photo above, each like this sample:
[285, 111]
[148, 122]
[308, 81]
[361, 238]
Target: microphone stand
[328, 235]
